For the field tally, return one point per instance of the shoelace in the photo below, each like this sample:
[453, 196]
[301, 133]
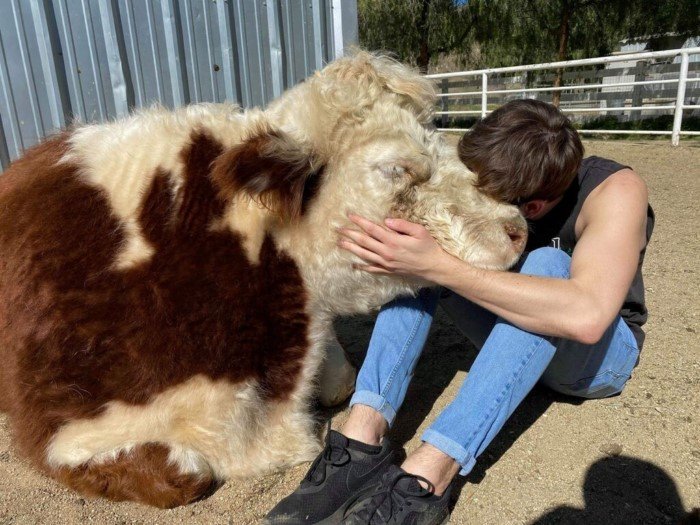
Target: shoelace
[325, 459]
[396, 497]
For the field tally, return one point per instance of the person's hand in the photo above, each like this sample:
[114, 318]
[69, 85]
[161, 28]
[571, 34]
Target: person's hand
[398, 247]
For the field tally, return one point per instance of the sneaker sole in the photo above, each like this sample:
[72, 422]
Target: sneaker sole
[337, 517]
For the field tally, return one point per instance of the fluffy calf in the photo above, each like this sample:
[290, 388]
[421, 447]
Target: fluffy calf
[168, 281]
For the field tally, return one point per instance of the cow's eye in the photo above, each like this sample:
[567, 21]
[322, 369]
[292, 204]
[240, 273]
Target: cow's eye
[393, 171]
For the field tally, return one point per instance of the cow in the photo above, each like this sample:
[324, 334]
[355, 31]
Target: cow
[168, 280]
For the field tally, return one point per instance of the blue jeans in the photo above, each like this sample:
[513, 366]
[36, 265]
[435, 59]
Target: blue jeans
[509, 363]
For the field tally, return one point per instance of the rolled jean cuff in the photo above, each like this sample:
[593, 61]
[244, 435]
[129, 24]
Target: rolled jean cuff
[375, 401]
[452, 449]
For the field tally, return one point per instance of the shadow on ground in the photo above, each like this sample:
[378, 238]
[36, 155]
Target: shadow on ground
[618, 490]
[624, 490]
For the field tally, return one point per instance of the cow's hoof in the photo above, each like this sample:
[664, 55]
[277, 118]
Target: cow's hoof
[337, 376]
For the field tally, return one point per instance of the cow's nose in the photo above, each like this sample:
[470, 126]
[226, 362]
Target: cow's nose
[517, 232]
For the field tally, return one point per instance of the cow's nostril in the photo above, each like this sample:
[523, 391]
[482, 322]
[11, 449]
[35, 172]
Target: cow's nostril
[517, 234]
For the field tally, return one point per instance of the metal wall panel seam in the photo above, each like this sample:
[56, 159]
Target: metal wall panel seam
[288, 55]
[11, 118]
[117, 76]
[209, 49]
[337, 28]
[25, 60]
[226, 37]
[137, 76]
[263, 54]
[94, 61]
[157, 68]
[301, 38]
[317, 37]
[172, 49]
[48, 66]
[259, 44]
[245, 94]
[350, 21]
[307, 32]
[188, 37]
[74, 89]
[4, 153]
[274, 25]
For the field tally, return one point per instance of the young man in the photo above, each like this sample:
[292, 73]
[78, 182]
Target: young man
[569, 315]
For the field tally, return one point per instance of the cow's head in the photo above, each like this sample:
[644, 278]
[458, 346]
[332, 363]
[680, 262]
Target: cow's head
[356, 138]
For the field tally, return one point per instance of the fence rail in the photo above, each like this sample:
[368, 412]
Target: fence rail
[611, 90]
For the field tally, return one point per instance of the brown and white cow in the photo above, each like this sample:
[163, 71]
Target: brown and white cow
[168, 280]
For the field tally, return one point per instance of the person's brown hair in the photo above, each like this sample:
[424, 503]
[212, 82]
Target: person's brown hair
[526, 149]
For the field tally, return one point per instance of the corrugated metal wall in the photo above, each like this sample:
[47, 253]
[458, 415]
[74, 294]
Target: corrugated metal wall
[91, 60]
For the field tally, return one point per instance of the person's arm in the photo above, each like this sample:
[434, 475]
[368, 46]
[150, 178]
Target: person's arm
[603, 265]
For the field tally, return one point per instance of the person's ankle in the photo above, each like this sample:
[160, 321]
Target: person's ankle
[365, 424]
[434, 465]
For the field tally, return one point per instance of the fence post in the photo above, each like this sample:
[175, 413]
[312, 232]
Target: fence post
[638, 91]
[484, 94]
[680, 100]
[443, 89]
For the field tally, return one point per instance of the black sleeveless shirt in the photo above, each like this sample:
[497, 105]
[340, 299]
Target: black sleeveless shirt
[556, 229]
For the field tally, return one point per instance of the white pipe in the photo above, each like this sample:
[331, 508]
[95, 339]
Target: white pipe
[624, 132]
[566, 88]
[680, 100]
[623, 108]
[570, 110]
[461, 112]
[484, 94]
[570, 63]
[601, 131]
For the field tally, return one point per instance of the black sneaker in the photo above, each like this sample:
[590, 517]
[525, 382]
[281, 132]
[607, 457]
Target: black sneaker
[399, 499]
[344, 470]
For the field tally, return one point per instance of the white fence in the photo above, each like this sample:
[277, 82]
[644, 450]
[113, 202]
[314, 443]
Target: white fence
[638, 96]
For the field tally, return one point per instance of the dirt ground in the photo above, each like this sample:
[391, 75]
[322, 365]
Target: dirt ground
[632, 459]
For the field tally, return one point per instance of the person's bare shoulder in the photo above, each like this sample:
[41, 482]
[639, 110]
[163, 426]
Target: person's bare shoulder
[622, 196]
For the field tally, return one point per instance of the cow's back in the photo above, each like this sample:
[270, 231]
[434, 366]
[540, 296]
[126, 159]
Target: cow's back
[81, 329]
[56, 235]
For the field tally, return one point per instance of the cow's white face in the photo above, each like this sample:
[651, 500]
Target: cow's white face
[366, 121]
[390, 165]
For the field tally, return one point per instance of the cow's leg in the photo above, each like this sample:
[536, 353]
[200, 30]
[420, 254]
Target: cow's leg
[150, 473]
[289, 437]
[336, 379]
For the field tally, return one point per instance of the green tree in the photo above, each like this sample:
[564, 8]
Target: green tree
[511, 32]
[527, 31]
[415, 30]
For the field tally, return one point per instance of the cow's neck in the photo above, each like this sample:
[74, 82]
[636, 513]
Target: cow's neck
[334, 286]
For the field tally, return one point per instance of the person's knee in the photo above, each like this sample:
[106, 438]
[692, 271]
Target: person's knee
[547, 262]
[601, 386]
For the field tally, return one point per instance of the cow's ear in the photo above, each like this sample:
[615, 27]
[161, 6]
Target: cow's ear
[273, 169]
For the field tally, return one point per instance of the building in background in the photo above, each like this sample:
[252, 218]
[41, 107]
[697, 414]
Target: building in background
[665, 70]
[93, 60]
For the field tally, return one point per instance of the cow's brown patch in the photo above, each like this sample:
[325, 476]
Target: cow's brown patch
[76, 332]
[274, 169]
[144, 475]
